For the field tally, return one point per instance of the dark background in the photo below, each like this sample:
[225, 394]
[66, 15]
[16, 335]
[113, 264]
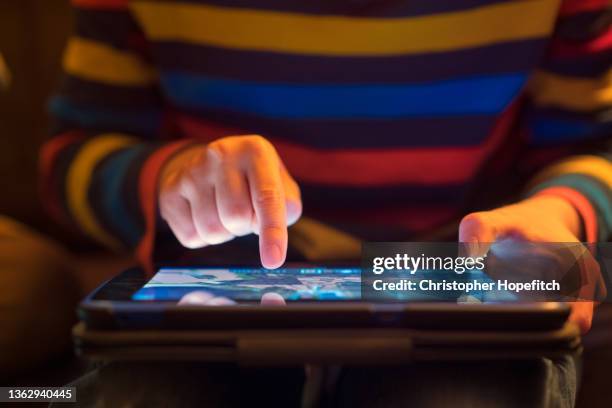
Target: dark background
[32, 36]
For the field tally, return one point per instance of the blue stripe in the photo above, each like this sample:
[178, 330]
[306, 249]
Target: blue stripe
[550, 131]
[112, 198]
[483, 95]
[139, 121]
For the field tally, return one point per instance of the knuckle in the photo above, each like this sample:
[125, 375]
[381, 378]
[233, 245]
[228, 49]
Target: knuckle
[258, 144]
[239, 214]
[167, 201]
[190, 183]
[269, 198]
[211, 228]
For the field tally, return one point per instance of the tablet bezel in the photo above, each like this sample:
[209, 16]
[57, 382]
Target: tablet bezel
[120, 312]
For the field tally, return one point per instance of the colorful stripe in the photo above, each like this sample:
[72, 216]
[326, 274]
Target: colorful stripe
[354, 9]
[353, 134]
[370, 167]
[551, 130]
[271, 67]
[577, 94]
[594, 166]
[90, 93]
[92, 117]
[110, 194]
[567, 49]
[487, 95]
[148, 189]
[569, 7]
[597, 192]
[295, 33]
[99, 62]
[49, 154]
[101, 4]
[586, 66]
[79, 179]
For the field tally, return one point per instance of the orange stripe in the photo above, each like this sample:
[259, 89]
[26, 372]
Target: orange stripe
[47, 156]
[373, 167]
[148, 184]
[101, 4]
[582, 205]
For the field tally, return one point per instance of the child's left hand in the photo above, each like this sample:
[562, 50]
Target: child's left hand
[544, 218]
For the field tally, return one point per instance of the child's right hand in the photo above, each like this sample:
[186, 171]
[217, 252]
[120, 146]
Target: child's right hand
[232, 187]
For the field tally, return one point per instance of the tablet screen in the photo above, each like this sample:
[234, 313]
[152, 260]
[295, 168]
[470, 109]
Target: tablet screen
[249, 284]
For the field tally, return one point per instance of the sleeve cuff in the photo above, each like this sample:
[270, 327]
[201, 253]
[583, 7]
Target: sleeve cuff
[148, 189]
[582, 205]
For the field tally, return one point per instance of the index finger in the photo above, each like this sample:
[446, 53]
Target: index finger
[268, 199]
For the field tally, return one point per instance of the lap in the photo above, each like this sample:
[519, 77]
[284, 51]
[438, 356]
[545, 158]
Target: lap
[529, 383]
[533, 383]
[184, 384]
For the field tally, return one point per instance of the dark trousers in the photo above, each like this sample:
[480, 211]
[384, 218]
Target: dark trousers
[529, 383]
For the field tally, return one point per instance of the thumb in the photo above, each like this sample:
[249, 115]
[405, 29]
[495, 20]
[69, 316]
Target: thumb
[582, 315]
[476, 232]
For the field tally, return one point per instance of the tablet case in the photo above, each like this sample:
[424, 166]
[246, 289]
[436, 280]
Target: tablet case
[328, 346]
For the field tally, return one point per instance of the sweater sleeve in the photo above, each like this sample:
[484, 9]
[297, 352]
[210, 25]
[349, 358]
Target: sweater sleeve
[111, 131]
[570, 110]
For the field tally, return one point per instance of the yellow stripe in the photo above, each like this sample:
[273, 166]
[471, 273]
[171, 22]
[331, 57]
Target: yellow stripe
[79, 179]
[571, 93]
[99, 62]
[341, 35]
[593, 166]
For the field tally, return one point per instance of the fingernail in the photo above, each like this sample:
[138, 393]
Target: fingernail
[271, 256]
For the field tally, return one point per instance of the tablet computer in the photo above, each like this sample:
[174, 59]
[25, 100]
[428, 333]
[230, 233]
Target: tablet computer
[317, 296]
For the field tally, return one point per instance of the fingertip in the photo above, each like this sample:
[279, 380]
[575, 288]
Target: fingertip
[220, 301]
[272, 299]
[198, 297]
[272, 256]
[476, 233]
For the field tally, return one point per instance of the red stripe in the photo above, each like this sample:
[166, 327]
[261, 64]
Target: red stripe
[575, 49]
[47, 157]
[372, 167]
[101, 4]
[582, 205]
[148, 183]
[580, 6]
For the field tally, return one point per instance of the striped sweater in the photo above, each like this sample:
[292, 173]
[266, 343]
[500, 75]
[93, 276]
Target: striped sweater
[395, 116]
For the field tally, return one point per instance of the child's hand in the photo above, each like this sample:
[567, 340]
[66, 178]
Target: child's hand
[231, 187]
[544, 218]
